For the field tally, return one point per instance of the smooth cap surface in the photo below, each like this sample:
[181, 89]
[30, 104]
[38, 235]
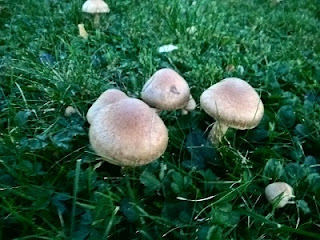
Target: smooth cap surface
[128, 133]
[234, 103]
[191, 105]
[274, 190]
[107, 97]
[166, 90]
[95, 6]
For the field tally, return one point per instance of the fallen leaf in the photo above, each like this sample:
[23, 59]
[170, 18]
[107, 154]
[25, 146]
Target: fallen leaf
[82, 31]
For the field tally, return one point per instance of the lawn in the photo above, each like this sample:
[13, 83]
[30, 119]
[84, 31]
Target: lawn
[53, 185]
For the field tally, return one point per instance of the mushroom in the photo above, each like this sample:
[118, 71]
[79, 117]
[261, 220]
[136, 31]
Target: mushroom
[69, 111]
[95, 7]
[191, 105]
[280, 193]
[128, 133]
[233, 103]
[167, 90]
[107, 97]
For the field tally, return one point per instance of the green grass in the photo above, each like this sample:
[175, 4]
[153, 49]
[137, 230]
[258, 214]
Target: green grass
[52, 185]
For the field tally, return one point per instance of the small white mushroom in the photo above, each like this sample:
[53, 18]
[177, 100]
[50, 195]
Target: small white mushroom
[279, 192]
[95, 7]
[191, 105]
[233, 103]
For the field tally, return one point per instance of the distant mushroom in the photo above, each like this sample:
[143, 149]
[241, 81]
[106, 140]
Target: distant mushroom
[107, 97]
[167, 90]
[128, 133]
[276, 190]
[233, 103]
[95, 7]
[69, 111]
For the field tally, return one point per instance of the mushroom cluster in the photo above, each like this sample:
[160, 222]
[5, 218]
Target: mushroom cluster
[128, 132]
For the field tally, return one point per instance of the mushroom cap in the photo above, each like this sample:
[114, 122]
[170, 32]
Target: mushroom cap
[95, 6]
[128, 133]
[191, 105]
[273, 190]
[69, 111]
[166, 90]
[234, 103]
[107, 97]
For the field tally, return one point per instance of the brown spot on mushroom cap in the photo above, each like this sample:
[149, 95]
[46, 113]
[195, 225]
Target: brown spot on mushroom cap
[95, 6]
[128, 133]
[234, 103]
[107, 97]
[166, 90]
[174, 90]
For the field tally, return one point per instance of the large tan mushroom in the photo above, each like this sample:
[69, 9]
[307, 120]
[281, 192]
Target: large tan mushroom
[128, 133]
[107, 97]
[233, 103]
[95, 7]
[167, 90]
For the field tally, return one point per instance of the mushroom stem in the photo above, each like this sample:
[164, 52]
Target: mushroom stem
[96, 20]
[217, 132]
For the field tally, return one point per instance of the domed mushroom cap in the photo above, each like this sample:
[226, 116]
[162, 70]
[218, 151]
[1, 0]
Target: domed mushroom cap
[95, 6]
[128, 133]
[166, 90]
[191, 105]
[274, 190]
[107, 97]
[234, 103]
